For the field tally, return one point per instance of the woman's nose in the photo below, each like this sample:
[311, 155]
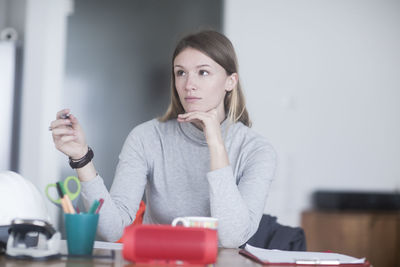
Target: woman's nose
[191, 83]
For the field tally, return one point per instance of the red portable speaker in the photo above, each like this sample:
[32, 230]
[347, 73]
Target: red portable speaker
[168, 244]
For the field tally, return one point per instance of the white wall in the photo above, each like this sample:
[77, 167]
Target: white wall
[7, 72]
[41, 27]
[322, 80]
[43, 73]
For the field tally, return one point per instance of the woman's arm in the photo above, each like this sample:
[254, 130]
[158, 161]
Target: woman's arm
[120, 205]
[238, 207]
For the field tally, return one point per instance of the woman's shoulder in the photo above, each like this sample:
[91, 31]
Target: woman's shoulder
[249, 137]
[143, 127]
[239, 129]
[256, 147]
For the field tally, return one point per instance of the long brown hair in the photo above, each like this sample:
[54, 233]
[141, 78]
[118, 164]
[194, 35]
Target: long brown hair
[218, 47]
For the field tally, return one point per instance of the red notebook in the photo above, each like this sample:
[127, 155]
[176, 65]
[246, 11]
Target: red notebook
[273, 257]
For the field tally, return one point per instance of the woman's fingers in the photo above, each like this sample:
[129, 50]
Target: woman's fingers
[74, 122]
[70, 121]
[59, 123]
[63, 131]
[204, 117]
[193, 116]
[67, 138]
[212, 113]
[62, 112]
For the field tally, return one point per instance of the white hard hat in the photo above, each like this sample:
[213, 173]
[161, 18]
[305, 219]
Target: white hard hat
[19, 198]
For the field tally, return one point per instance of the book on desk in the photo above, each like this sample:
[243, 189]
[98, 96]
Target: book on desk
[301, 258]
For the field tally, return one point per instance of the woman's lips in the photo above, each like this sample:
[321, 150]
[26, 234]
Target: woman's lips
[191, 99]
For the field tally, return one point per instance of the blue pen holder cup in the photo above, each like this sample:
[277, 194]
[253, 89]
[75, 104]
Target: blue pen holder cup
[81, 232]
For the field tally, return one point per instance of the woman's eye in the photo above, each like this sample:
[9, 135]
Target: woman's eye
[180, 73]
[203, 73]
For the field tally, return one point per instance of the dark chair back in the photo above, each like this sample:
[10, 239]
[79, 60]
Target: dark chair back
[272, 235]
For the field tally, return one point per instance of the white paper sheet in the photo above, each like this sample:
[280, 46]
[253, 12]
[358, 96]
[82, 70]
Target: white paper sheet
[301, 257]
[107, 245]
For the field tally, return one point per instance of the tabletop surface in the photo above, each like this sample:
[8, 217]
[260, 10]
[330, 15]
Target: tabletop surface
[105, 257]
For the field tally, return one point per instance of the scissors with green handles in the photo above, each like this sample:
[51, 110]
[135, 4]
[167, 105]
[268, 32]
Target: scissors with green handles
[65, 189]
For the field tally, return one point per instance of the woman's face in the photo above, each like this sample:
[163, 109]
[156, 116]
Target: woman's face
[201, 82]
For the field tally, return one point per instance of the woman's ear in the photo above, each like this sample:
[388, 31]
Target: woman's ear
[231, 82]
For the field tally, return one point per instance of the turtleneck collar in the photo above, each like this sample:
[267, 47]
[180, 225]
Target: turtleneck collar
[195, 134]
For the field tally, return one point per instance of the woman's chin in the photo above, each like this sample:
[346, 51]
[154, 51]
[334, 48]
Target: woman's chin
[194, 109]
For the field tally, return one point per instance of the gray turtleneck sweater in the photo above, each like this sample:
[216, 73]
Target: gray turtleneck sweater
[169, 162]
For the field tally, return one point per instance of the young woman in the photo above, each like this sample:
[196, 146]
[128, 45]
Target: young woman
[200, 159]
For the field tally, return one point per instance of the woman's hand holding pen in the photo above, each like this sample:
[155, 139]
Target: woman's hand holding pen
[69, 138]
[212, 130]
[68, 135]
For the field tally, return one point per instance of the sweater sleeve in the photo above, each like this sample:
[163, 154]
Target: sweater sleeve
[122, 202]
[239, 207]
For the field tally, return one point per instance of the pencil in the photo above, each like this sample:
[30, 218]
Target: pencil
[64, 206]
[61, 195]
[69, 204]
[68, 201]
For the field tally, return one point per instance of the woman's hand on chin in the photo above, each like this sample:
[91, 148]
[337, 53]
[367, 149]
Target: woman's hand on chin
[208, 121]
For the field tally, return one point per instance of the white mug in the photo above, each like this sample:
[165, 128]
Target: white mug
[203, 222]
